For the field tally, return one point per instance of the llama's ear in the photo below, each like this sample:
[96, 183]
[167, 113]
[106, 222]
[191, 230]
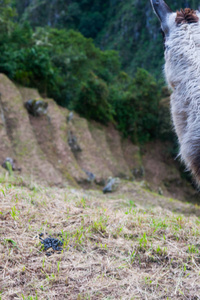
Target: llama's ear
[162, 10]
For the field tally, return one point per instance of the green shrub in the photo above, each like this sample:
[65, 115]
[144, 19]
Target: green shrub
[92, 101]
[136, 108]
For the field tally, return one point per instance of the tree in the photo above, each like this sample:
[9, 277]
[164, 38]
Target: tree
[7, 16]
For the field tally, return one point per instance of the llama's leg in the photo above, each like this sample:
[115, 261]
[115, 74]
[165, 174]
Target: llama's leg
[190, 149]
[179, 117]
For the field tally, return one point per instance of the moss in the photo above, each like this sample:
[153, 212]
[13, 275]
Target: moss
[70, 179]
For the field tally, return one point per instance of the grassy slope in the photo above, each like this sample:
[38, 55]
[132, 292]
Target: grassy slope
[116, 246]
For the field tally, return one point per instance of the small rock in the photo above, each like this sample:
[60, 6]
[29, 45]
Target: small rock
[111, 185]
[36, 107]
[70, 117]
[138, 172]
[145, 185]
[10, 164]
[72, 141]
[160, 191]
[91, 176]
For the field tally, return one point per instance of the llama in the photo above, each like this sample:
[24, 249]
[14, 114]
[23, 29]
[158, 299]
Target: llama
[182, 71]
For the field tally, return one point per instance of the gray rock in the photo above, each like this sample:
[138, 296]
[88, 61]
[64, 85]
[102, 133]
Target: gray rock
[160, 191]
[111, 185]
[145, 185]
[10, 164]
[70, 117]
[36, 107]
[138, 173]
[72, 141]
[91, 176]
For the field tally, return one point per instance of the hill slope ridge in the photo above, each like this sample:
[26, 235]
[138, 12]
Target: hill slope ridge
[56, 150]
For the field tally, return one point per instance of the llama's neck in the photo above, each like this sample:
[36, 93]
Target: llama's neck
[182, 56]
[182, 71]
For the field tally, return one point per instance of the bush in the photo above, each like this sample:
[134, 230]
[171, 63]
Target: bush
[92, 101]
[136, 110]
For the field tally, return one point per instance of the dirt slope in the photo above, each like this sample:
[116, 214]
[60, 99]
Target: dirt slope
[29, 139]
[21, 136]
[41, 147]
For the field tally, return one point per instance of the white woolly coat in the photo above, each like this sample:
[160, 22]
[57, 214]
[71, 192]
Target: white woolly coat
[182, 71]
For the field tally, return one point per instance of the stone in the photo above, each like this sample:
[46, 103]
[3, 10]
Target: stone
[36, 107]
[70, 117]
[72, 141]
[91, 176]
[138, 173]
[10, 164]
[160, 191]
[145, 185]
[111, 185]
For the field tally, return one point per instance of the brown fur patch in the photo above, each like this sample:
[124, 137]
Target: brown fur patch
[186, 16]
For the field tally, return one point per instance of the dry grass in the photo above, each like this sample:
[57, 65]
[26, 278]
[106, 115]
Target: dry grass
[113, 248]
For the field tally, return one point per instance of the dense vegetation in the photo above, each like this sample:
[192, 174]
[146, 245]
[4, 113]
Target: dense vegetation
[129, 27]
[67, 66]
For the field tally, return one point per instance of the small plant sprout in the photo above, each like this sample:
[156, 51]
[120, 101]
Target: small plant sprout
[148, 280]
[14, 244]
[14, 213]
[133, 254]
[161, 251]
[9, 168]
[43, 261]
[3, 192]
[131, 203]
[143, 242]
[192, 249]
[83, 202]
[58, 266]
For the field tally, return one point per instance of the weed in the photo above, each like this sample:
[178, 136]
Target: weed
[192, 249]
[143, 243]
[161, 251]
[9, 168]
[148, 280]
[100, 225]
[12, 242]
[14, 213]
[132, 257]
[58, 266]
[81, 203]
[30, 297]
[3, 192]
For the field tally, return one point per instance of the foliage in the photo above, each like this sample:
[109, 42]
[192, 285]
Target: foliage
[92, 101]
[7, 15]
[137, 107]
[129, 27]
[65, 65]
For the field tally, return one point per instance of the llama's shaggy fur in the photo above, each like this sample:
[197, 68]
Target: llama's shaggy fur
[182, 71]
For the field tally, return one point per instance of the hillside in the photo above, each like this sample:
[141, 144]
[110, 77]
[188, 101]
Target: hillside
[129, 27]
[132, 244]
[56, 151]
